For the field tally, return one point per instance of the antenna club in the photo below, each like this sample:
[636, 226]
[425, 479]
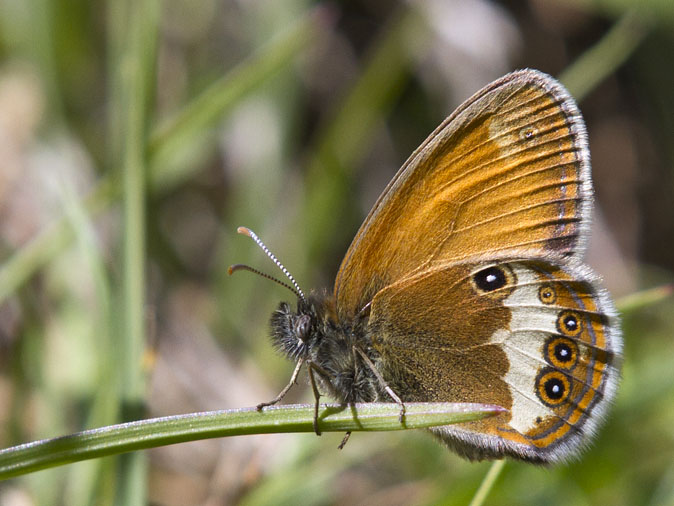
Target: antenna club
[245, 231]
[238, 267]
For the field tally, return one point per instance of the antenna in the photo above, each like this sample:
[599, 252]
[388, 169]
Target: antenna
[243, 267]
[246, 231]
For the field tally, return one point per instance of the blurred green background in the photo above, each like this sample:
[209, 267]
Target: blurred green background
[290, 117]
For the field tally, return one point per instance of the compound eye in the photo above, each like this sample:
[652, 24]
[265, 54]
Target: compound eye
[302, 327]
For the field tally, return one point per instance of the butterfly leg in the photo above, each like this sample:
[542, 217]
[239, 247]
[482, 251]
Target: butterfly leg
[293, 380]
[343, 443]
[317, 395]
[383, 383]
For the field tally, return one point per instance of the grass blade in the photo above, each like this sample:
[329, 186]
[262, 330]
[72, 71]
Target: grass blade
[155, 432]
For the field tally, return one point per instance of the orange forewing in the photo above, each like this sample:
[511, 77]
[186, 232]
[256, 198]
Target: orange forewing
[508, 171]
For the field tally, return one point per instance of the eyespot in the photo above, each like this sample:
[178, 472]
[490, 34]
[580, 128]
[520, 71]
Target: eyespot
[552, 387]
[493, 278]
[547, 294]
[561, 352]
[302, 327]
[569, 323]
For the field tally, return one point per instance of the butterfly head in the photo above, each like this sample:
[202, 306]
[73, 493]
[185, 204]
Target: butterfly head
[293, 332]
[299, 333]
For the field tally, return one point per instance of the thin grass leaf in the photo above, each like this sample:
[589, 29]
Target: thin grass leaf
[221, 96]
[207, 110]
[644, 298]
[137, 66]
[151, 433]
[344, 139]
[487, 483]
[600, 61]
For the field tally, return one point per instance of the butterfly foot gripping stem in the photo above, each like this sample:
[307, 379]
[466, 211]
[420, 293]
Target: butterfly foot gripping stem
[382, 382]
[398, 401]
[286, 389]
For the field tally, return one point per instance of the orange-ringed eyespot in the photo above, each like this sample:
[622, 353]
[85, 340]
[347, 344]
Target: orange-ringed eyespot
[569, 323]
[561, 352]
[552, 387]
[547, 294]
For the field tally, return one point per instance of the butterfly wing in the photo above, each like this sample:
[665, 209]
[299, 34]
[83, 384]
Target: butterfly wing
[507, 172]
[469, 264]
[538, 337]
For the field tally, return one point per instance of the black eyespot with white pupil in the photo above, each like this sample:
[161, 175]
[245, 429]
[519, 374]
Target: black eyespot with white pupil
[547, 294]
[490, 279]
[563, 352]
[552, 387]
[569, 323]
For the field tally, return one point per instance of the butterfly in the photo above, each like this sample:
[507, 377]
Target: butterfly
[466, 283]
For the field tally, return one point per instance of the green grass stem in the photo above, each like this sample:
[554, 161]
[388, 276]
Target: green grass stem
[151, 433]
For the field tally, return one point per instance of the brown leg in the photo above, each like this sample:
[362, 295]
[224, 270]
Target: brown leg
[287, 388]
[382, 382]
[343, 443]
[317, 395]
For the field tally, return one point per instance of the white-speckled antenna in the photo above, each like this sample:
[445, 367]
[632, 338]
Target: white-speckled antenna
[253, 235]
